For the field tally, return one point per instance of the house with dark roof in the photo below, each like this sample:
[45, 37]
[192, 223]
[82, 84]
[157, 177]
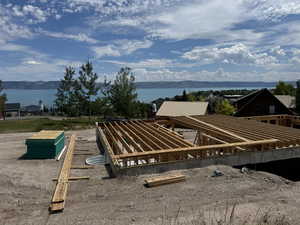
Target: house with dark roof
[12, 109]
[259, 103]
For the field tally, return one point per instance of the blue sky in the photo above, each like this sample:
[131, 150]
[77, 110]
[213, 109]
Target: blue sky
[161, 40]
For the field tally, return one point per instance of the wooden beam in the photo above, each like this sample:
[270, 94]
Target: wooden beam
[113, 140]
[145, 145]
[155, 132]
[192, 125]
[165, 179]
[167, 130]
[151, 135]
[219, 129]
[61, 188]
[74, 178]
[170, 135]
[129, 138]
[197, 148]
[121, 139]
[145, 137]
[82, 167]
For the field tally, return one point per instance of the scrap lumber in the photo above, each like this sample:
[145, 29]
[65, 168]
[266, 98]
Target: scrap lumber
[60, 193]
[74, 178]
[82, 167]
[165, 179]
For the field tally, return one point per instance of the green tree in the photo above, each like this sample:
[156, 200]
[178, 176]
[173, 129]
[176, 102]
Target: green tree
[122, 94]
[64, 101]
[224, 107]
[283, 88]
[298, 97]
[191, 97]
[87, 80]
[184, 96]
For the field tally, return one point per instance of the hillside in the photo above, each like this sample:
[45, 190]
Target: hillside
[37, 85]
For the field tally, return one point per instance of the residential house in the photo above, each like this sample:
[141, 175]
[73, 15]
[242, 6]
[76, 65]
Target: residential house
[176, 108]
[259, 103]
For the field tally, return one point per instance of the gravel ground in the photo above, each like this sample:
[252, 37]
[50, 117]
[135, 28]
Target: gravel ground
[26, 189]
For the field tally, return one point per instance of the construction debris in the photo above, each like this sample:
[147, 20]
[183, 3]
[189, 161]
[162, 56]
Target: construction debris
[217, 173]
[95, 160]
[162, 180]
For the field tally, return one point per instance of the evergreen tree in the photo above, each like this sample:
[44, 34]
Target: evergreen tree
[64, 101]
[184, 96]
[3, 99]
[298, 97]
[87, 80]
[283, 88]
[122, 94]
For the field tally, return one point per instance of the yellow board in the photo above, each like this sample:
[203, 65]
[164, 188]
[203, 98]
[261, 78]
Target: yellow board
[47, 134]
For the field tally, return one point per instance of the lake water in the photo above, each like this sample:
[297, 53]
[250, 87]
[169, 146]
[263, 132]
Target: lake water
[29, 97]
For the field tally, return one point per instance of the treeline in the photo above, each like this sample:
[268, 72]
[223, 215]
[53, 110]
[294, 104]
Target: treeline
[79, 95]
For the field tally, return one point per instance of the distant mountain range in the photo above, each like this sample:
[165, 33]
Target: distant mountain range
[38, 85]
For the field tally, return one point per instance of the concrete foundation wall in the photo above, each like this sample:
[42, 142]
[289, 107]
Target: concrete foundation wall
[242, 158]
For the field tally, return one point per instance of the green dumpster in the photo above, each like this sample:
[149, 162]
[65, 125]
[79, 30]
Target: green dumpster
[46, 144]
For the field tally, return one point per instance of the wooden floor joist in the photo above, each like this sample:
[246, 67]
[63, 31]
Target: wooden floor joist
[136, 143]
[60, 193]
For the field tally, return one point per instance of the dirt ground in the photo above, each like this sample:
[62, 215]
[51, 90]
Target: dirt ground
[26, 189]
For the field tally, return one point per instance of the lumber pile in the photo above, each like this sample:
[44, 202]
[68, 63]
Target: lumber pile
[60, 193]
[165, 179]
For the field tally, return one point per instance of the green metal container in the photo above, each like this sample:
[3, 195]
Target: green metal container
[45, 144]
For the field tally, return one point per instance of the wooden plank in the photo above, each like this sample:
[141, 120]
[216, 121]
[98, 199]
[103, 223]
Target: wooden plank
[114, 141]
[157, 140]
[82, 167]
[163, 180]
[120, 138]
[61, 188]
[104, 143]
[146, 146]
[155, 132]
[171, 136]
[167, 130]
[74, 178]
[145, 137]
[129, 138]
[183, 121]
[219, 129]
[197, 148]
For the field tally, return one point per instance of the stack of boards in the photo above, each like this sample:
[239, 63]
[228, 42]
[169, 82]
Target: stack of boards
[162, 180]
[46, 144]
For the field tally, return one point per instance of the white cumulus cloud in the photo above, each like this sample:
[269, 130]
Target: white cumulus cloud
[236, 54]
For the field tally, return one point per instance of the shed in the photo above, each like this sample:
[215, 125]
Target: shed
[259, 103]
[175, 108]
[45, 144]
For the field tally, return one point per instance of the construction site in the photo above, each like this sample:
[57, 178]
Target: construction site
[195, 164]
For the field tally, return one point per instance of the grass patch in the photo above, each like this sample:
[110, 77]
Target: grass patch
[34, 125]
